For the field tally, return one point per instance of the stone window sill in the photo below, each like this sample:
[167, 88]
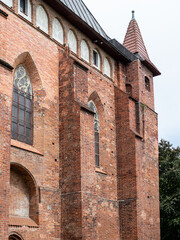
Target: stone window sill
[98, 170]
[25, 146]
[22, 221]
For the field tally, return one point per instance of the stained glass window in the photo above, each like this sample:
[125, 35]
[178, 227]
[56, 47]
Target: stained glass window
[22, 108]
[96, 131]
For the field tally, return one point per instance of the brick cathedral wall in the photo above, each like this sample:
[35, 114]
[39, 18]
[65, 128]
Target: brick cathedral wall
[126, 168]
[5, 137]
[5, 134]
[28, 47]
[148, 180]
[76, 199]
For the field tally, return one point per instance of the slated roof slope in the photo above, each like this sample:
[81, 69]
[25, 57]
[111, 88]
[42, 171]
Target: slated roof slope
[79, 8]
[133, 40]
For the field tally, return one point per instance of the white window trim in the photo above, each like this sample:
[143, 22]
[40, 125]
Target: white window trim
[38, 25]
[83, 56]
[62, 32]
[28, 16]
[73, 48]
[99, 60]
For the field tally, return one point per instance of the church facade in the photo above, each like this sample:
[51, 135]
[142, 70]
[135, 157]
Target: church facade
[78, 129]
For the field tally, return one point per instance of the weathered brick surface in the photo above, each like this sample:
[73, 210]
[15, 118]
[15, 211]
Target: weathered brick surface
[72, 198]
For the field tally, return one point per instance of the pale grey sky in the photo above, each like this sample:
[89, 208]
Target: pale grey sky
[160, 27]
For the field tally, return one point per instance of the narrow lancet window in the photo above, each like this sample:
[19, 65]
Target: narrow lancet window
[22, 108]
[96, 131]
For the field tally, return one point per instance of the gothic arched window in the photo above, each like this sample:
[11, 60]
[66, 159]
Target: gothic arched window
[92, 106]
[14, 237]
[42, 19]
[72, 41]
[57, 31]
[84, 51]
[107, 67]
[22, 107]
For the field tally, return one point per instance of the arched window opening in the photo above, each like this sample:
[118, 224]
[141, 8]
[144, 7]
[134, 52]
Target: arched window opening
[129, 89]
[14, 237]
[22, 107]
[9, 3]
[147, 84]
[57, 31]
[41, 19]
[96, 131]
[23, 196]
[96, 59]
[72, 41]
[84, 51]
[107, 67]
[20, 196]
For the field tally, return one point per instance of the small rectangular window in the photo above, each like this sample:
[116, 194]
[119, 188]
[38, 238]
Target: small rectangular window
[95, 58]
[24, 6]
[147, 84]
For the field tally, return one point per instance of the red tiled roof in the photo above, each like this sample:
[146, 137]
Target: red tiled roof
[134, 41]
[21, 221]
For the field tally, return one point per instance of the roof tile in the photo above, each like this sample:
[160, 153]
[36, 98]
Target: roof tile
[134, 41]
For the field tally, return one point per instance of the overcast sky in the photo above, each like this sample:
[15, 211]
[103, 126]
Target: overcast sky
[159, 22]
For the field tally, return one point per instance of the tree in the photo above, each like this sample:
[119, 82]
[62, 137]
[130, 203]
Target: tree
[169, 176]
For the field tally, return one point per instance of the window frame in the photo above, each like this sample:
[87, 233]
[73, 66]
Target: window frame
[25, 7]
[107, 73]
[20, 110]
[39, 24]
[96, 132]
[73, 46]
[27, 13]
[96, 59]
[60, 29]
[83, 55]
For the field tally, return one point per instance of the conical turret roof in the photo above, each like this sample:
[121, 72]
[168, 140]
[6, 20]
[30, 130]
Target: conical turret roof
[133, 40]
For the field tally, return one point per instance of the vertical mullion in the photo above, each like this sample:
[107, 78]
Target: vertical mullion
[32, 119]
[24, 118]
[18, 116]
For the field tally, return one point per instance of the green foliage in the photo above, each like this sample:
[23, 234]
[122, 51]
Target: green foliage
[169, 174]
